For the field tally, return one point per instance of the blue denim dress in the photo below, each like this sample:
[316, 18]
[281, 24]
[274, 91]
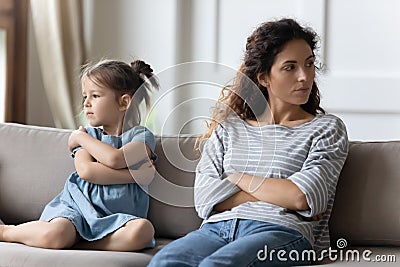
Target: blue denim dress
[98, 210]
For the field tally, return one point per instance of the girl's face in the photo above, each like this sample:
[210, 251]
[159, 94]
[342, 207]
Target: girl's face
[292, 75]
[100, 105]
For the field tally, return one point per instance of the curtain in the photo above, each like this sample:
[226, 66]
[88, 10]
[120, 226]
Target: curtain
[58, 30]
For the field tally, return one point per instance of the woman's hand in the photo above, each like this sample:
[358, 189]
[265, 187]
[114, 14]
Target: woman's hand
[73, 140]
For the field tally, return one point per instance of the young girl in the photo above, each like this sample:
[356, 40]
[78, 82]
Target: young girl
[266, 181]
[104, 203]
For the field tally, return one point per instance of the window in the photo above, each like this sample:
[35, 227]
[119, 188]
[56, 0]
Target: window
[13, 54]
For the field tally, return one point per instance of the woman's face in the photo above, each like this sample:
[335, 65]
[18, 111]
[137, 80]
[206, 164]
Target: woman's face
[292, 75]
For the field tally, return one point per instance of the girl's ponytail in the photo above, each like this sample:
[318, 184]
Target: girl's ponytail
[147, 78]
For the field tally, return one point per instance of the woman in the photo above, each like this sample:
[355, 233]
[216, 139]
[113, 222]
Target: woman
[266, 180]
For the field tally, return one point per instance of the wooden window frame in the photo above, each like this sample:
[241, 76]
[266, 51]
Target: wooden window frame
[13, 19]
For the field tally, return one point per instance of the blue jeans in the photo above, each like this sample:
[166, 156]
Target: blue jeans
[235, 242]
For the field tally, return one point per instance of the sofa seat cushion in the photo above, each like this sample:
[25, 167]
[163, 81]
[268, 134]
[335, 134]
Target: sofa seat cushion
[18, 255]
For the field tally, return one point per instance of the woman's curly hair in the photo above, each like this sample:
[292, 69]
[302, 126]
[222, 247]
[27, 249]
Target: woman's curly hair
[246, 97]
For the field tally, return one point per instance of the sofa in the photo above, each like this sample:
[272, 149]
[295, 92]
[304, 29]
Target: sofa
[35, 162]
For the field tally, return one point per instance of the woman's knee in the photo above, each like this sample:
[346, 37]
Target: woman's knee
[172, 256]
[186, 251]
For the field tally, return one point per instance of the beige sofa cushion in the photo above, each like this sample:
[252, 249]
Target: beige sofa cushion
[172, 205]
[34, 164]
[367, 203]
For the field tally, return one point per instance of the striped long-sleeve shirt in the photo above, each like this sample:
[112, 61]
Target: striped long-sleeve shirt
[311, 155]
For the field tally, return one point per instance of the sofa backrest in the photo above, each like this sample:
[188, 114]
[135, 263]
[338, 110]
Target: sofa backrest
[171, 204]
[35, 162]
[34, 165]
[366, 210]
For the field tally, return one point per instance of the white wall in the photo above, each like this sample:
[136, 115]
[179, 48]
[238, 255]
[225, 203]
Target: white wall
[359, 46]
[363, 82]
[127, 29]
